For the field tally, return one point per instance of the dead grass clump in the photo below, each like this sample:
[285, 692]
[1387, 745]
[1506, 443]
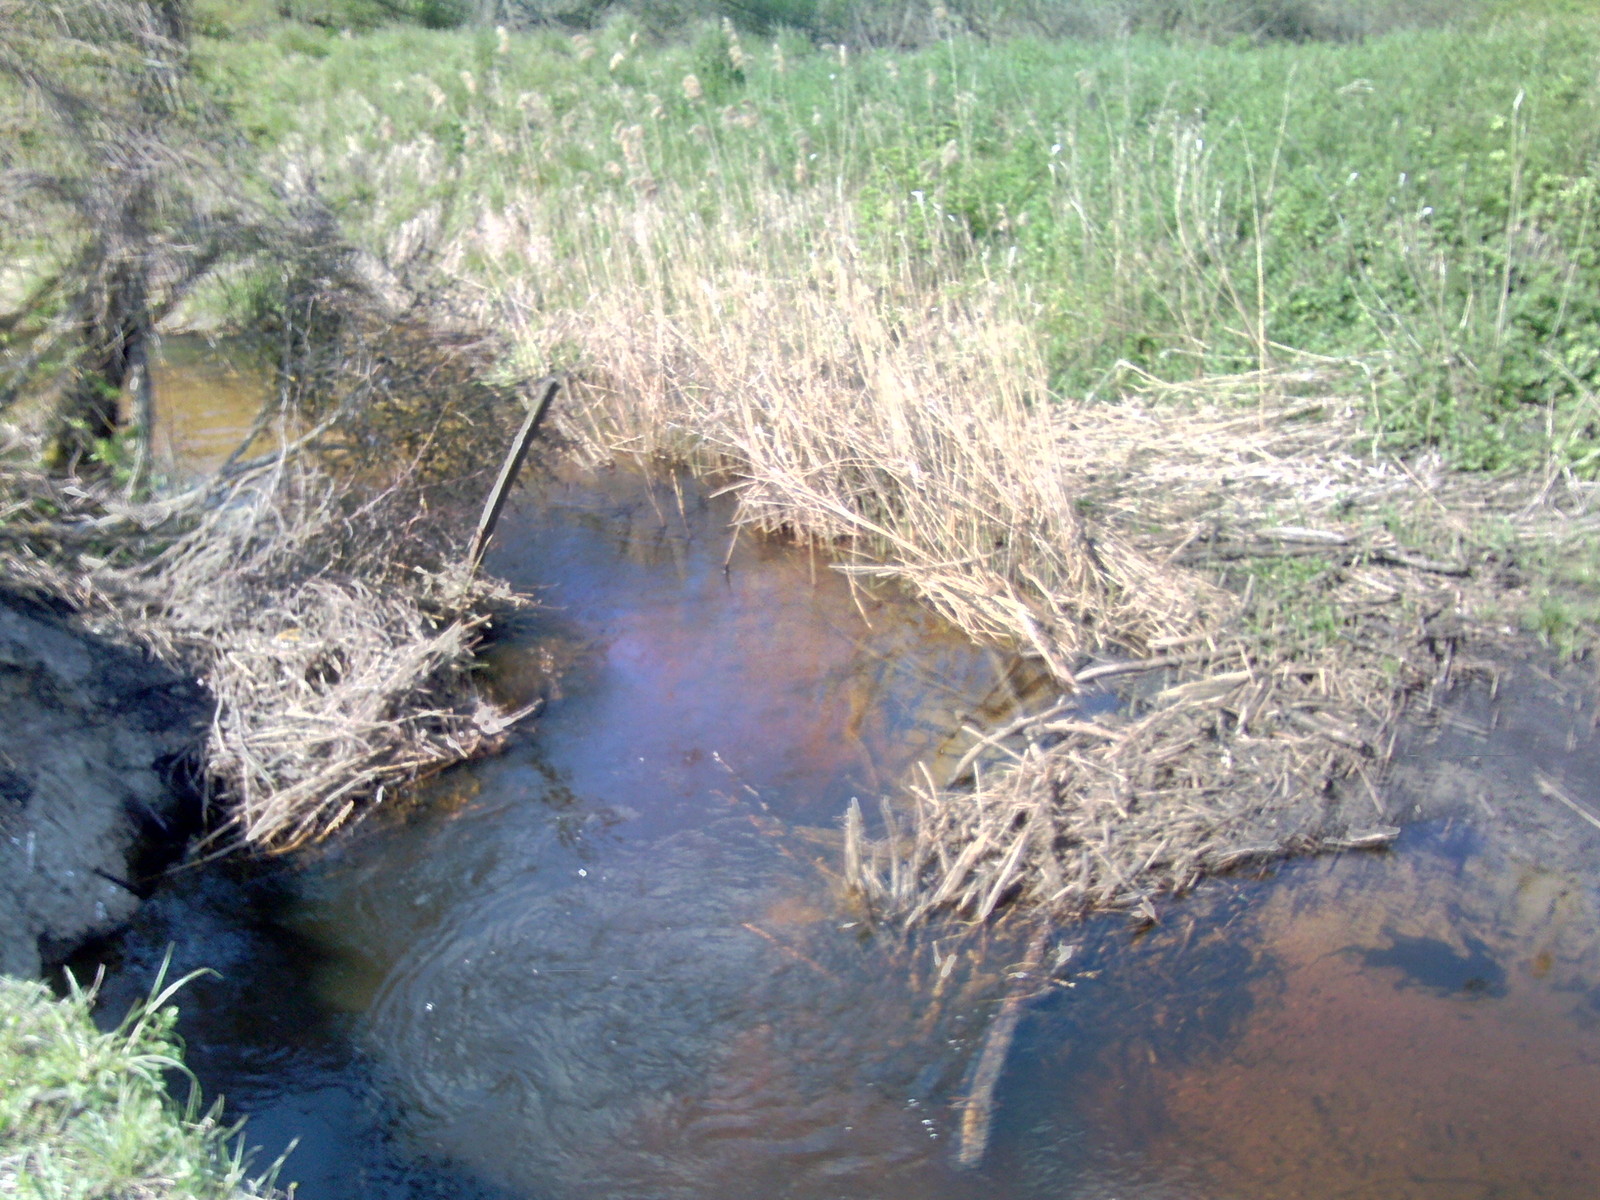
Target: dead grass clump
[381, 371]
[331, 685]
[856, 406]
[335, 677]
[325, 588]
[1170, 462]
[320, 590]
[1217, 769]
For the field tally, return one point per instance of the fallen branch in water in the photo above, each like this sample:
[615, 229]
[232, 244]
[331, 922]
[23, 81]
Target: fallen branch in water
[1549, 788]
[977, 1108]
[509, 470]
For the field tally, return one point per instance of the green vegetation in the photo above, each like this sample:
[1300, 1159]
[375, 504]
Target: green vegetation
[86, 1114]
[1420, 205]
[899, 23]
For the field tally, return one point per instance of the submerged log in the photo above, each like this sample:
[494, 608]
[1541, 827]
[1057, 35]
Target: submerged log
[977, 1114]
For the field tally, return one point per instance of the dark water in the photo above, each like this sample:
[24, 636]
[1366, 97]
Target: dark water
[614, 962]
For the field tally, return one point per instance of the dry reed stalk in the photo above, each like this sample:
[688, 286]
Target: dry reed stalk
[977, 1108]
[1112, 812]
[866, 400]
[858, 407]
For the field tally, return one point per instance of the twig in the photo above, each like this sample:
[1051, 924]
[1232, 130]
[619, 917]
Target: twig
[992, 740]
[1107, 670]
[1398, 558]
[1549, 787]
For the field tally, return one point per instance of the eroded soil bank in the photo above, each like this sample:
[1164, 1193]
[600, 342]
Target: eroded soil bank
[90, 737]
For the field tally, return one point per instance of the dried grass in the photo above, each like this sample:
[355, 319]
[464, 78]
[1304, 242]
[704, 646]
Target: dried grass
[1218, 769]
[320, 592]
[331, 682]
[858, 408]
[860, 402]
[330, 687]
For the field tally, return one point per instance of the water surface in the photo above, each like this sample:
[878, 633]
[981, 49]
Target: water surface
[616, 962]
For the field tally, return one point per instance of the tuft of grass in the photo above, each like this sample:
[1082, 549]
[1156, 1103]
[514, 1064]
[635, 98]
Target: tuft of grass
[86, 1113]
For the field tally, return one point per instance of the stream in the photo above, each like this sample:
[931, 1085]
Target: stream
[615, 962]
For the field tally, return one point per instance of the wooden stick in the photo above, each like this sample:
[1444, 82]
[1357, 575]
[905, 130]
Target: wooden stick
[978, 1108]
[1549, 787]
[508, 474]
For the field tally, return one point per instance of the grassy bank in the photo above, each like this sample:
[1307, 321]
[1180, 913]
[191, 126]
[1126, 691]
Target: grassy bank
[85, 1113]
[855, 279]
[1420, 202]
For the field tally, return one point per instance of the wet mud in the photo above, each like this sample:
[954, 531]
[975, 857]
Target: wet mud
[92, 734]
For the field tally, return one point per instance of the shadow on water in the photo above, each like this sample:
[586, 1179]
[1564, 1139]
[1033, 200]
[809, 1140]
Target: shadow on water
[614, 962]
[1370, 1026]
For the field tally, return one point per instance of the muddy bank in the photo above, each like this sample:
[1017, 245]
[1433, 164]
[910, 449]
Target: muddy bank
[91, 734]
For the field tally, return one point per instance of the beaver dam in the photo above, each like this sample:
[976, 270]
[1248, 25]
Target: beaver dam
[619, 959]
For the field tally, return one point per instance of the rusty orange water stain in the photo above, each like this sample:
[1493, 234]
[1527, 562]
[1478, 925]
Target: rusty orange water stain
[1339, 1089]
[1397, 1041]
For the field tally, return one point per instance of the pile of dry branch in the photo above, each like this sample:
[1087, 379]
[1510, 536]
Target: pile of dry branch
[1264, 736]
[332, 682]
[1075, 813]
[319, 590]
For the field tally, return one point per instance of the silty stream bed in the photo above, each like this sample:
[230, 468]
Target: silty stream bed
[613, 962]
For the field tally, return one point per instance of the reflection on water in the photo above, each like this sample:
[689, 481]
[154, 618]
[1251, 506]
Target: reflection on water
[613, 962]
[1398, 1030]
[207, 396]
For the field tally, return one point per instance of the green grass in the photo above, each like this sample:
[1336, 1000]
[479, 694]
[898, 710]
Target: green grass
[1423, 202]
[85, 1113]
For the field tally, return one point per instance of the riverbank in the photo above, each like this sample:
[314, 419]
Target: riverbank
[94, 743]
[99, 751]
[1114, 352]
